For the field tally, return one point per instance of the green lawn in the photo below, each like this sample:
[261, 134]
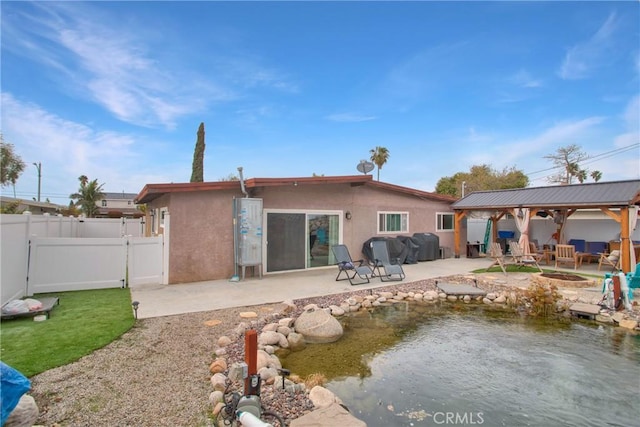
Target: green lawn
[84, 321]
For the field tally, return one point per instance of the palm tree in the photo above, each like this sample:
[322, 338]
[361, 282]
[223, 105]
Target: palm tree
[379, 156]
[88, 194]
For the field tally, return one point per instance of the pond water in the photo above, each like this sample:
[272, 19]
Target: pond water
[454, 364]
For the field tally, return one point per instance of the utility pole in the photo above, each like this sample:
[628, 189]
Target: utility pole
[39, 167]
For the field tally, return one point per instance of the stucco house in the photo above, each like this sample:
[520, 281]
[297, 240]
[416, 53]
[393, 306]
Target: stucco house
[299, 220]
[118, 205]
[36, 208]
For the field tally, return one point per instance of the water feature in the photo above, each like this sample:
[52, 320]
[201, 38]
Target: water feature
[454, 364]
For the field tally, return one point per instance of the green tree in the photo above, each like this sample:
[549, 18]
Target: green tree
[89, 193]
[567, 160]
[481, 178]
[230, 177]
[379, 157]
[11, 165]
[11, 208]
[71, 210]
[197, 172]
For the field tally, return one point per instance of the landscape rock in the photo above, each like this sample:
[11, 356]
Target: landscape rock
[224, 341]
[628, 323]
[333, 415]
[268, 374]
[287, 321]
[24, 414]
[284, 330]
[270, 338]
[318, 326]
[270, 327]
[322, 397]
[216, 396]
[336, 311]
[296, 341]
[218, 365]
[218, 381]
[266, 360]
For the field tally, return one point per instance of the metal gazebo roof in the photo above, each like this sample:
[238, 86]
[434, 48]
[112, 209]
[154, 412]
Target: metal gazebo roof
[612, 194]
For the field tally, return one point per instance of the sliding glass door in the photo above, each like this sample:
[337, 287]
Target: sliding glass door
[300, 240]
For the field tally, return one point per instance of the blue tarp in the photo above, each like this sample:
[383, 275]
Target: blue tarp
[12, 386]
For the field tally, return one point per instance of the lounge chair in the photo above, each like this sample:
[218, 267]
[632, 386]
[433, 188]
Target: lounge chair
[47, 305]
[350, 268]
[381, 260]
[523, 259]
[612, 260]
[498, 257]
[566, 254]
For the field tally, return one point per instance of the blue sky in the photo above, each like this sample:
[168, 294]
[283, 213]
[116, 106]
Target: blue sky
[116, 90]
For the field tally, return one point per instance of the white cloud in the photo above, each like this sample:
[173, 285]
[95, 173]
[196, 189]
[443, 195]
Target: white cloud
[120, 69]
[631, 117]
[349, 117]
[68, 149]
[476, 137]
[582, 58]
[524, 79]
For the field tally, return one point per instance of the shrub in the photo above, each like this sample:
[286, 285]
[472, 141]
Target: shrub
[542, 299]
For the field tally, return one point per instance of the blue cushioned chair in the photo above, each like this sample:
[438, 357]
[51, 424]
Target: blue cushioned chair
[579, 244]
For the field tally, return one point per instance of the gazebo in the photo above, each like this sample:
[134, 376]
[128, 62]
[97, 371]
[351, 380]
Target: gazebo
[619, 200]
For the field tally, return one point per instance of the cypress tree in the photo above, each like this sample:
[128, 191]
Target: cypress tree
[197, 173]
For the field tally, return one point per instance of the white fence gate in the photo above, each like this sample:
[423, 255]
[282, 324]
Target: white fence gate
[54, 254]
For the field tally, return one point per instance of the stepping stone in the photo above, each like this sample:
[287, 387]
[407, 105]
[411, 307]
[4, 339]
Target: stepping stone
[588, 311]
[456, 289]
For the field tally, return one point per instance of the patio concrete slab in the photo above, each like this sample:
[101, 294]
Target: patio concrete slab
[167, 300]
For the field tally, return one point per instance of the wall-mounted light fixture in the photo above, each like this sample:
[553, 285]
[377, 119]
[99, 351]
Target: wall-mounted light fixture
[295, 183]
[348, 215]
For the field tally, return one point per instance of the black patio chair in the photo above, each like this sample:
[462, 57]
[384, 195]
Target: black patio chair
[381, 259]
[349, 267]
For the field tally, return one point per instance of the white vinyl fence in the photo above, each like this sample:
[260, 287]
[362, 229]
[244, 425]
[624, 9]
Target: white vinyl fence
[41, 253]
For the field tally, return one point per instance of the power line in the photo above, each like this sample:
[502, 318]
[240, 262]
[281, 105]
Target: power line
[587, 160]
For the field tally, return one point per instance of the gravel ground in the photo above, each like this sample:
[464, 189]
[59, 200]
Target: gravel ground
[157, 374]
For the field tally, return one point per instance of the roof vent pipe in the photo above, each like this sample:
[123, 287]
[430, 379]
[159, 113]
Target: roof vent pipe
[244, 191]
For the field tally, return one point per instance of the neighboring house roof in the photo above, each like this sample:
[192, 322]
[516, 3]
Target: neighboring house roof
[31, 204]
[122, 196]
[151, 192]
[582, 196]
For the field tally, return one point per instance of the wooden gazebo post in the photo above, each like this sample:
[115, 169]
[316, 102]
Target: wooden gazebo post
[625, 253]
[458, 217]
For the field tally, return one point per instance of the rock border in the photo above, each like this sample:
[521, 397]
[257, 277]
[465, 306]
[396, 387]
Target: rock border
[292, 398]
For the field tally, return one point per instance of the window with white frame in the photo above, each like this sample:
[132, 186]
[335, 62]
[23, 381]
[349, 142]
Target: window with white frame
[393, 222]
[445, 221]
[104, 203]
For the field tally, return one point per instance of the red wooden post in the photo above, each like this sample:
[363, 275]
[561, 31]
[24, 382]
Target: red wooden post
[250, 356]
[617, 293]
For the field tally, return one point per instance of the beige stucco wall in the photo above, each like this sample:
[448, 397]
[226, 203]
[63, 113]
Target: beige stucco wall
[364, 203]
[201, 230]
